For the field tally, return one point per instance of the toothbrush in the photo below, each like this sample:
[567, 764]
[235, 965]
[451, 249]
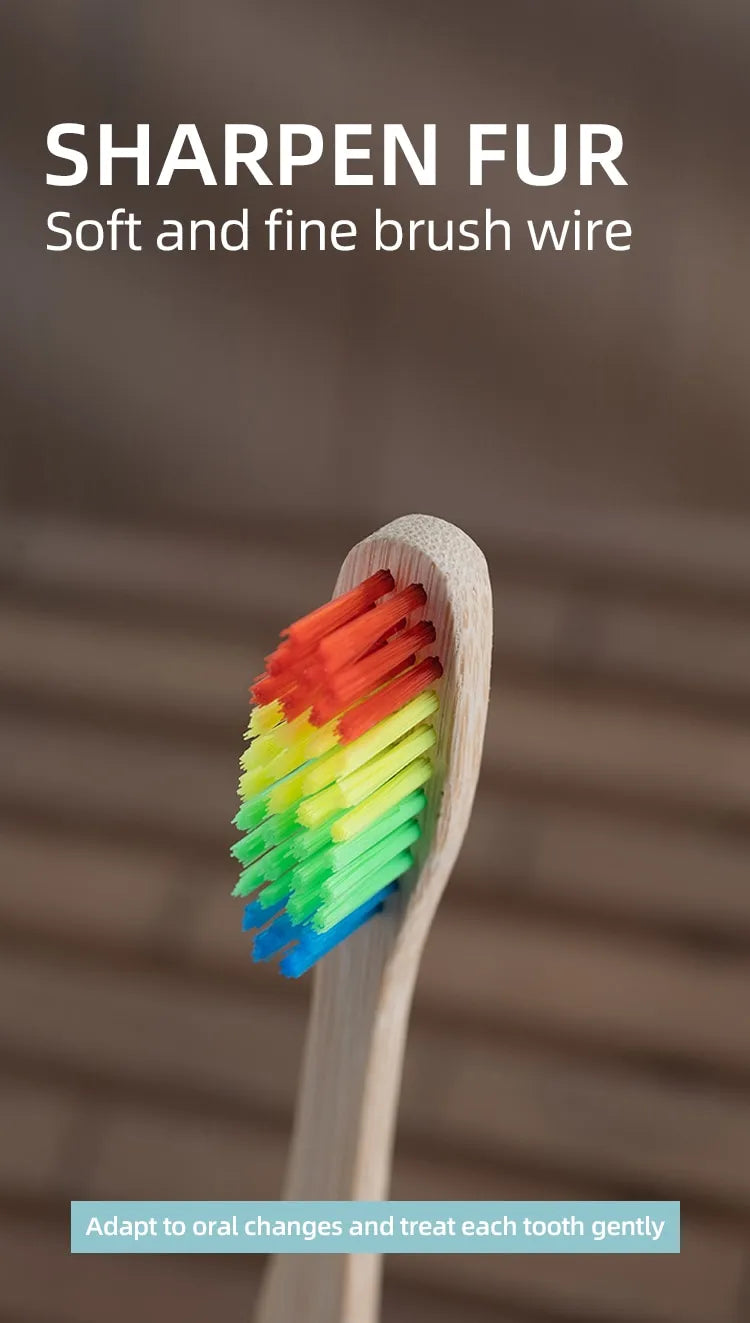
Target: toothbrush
[357, 787]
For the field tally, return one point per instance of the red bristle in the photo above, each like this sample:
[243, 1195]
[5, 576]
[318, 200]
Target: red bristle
[295, 702]
[327, 706]
[388, 635]
[295, 687]
[279, 659]
[271, 687]
[281, 681]
[399, 625]
[353, 639]
[263, 689]
[337, 655]
[389, 699]
[288, 657]
[355, 681]
[308, 631]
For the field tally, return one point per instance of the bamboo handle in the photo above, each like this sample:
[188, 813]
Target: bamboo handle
[348, 1098]
[343, 1134]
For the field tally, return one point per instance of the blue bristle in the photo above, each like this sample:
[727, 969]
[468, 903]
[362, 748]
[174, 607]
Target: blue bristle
[255, 916]
[275, 937]
[312, 946]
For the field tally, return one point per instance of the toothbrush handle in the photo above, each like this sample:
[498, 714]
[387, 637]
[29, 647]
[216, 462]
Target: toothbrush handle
[346, 1112]
[345, 1121]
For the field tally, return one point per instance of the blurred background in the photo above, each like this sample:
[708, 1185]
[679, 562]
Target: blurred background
[191, 444]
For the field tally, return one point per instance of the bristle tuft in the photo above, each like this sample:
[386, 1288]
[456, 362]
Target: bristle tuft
[333, 778]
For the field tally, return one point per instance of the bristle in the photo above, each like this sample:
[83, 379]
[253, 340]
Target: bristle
[263, 719]
[348, 791]
[353, 682]
[314, 871]
[413, 777]
[313, 627]
[356, 754]
[312, 946]
[295, 703]
[332, 781]
[253, 811]
[268, 691]
[362, 886]
[254, 915]
[345, 645]
[269, 941]
[280, 659]
[261, 751]
[333, 879]
[326, 707]
[389, 699]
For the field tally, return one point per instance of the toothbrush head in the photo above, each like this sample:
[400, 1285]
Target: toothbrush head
[333, 779]
[342, 776]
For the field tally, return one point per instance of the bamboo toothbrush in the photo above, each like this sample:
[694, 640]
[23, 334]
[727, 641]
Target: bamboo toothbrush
[357, 789]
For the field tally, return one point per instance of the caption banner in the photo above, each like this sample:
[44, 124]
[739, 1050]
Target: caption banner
[423, 1227]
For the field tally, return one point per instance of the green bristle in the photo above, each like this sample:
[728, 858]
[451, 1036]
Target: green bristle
[274, 893]
[310, 876]
[245, 850]
[343, 892]
[246, 882]
[302, 904]
[344, 852]
[252, 812]
[305, 892]
[285, 855]
[334, 911]
[245, 817]
[309, 843]
[268, 868]
[272, 831]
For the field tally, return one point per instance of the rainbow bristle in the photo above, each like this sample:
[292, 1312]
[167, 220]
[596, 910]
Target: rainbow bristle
[332, 779]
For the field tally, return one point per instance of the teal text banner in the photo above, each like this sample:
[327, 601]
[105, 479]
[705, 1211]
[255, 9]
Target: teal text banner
[231, 1227]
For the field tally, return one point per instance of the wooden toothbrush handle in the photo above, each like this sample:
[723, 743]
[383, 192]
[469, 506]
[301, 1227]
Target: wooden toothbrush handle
[346, 1113]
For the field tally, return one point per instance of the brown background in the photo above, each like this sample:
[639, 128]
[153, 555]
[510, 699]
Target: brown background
[192, 444]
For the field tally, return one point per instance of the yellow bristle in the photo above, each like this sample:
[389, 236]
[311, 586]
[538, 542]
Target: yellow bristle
[288, 791]
[373, 742]
[262, 750]
[292, 754]
[263, 777]
[304, 743]
[355, 787]
[290, 732]
[319, 808]
[361, 783]
[387, 797]
[254, 781]
[263, 719]
[323, 739]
